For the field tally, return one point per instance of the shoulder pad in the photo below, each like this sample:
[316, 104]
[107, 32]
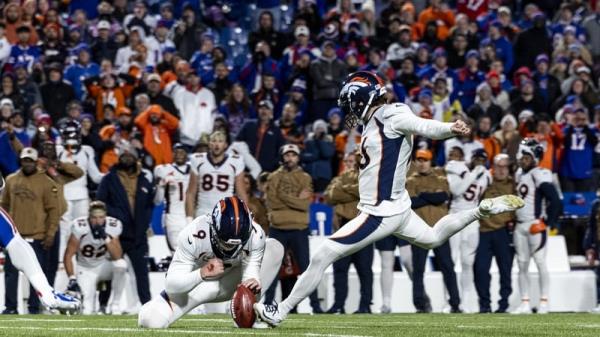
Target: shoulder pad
[456, 167]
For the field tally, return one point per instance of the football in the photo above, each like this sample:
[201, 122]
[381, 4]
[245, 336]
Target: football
[242, 310]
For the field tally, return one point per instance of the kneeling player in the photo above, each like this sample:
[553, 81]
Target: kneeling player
[91, 238]
[23, 258]
[215, 253]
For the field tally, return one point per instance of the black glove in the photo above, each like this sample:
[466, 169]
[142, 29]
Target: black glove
[73, 286]
[98, 232]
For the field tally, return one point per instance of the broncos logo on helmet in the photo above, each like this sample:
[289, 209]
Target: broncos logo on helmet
[359, 91]
[532, 147]
[230, 227]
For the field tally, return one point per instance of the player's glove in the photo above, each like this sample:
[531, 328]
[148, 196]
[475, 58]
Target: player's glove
[73, 286]
[98, 232]
[537, 227]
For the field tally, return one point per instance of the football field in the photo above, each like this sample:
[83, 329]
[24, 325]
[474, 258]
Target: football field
[402, 325]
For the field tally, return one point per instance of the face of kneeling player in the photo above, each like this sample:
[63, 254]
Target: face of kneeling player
[527, 162]
[217, 144]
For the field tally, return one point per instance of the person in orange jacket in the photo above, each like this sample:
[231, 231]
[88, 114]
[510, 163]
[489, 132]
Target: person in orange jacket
[549, 135]
[483, 133]
[157, 127]
[439, 12]
[106, 89]
[112, 135]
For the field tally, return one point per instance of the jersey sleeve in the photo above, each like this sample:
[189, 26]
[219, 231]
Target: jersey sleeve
[252, 262]
[541, 176]
[195, 161]
[79, 227]
[181, 276]
[402, 120]
[114, 227]
[238, 164]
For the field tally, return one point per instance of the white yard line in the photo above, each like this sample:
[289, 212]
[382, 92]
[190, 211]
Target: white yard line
[173, 331]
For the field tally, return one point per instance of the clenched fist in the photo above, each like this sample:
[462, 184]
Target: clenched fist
[460, 128]
[212, 270]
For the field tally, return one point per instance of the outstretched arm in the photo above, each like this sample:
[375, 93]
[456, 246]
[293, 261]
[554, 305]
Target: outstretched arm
[404, 121]
[548, 192]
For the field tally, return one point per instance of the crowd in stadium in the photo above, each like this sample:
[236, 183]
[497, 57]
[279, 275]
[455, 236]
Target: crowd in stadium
[122, 88]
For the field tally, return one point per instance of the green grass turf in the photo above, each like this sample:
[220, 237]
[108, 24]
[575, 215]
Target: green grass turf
[403, 325]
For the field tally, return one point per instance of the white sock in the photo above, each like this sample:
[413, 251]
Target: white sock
[271, 264]
[310, 279]
[387, 276]
[23, 258]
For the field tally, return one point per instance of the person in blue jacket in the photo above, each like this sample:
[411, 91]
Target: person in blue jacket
[317, 155]
[128, 192]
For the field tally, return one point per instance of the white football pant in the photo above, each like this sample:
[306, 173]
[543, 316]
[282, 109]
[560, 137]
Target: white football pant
[530, 246]
[173, 223]
[88, 279]
[463, 247]
[75, 209]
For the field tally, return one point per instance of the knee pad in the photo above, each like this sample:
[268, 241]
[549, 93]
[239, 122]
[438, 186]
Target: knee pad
[154, 315]
[119, 266]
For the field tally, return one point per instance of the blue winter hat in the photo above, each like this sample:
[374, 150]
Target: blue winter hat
[335, 111]
[472, 53]
[439, 52]
[425, 93]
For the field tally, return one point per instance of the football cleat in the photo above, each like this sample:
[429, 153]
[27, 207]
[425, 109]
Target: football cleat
[596, 310]
[523, 309]
[505, 203]
[62, 302]
[268, 313]
[543, 308]
[385, 309]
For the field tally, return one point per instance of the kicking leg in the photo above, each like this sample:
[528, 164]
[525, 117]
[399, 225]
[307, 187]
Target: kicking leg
[356, 234]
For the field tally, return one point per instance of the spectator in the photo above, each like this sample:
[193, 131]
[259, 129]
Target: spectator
[222, 81]
[457, 50]
[187, 31]
[261, 62]
[237, 108]
[33, 201]
[317, 155]
[256, 202]
[128, 193]
[483, 133]
[484, 104]
[591, 24]
[267, 32]
[23, 50]
[263, 137]
[53, 48]
[289, 194]
[10, 91]
[576, 163]
[267, 90]
[107, 90]
[327, 74]
[439, 13]
[547, 84]
[196, 104]
[528, 99]
[56, 93]
[27, 88]
[503, 47]
[83, 68]
[532, 42]
[5, 46]
[90, 136]
[494, 241]
[342, 194]
[291, 131]
[157, 42]
[430, 194]
[548, 133]
[402, 48]
[13, 15]
[157, 127]
[508, 136]
[468, 78]
[153, 86]
[12, 137]
[104, 46]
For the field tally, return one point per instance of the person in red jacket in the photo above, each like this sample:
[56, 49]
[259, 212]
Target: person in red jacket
[157, 127]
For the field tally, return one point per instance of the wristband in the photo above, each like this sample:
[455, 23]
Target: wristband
[107, 240]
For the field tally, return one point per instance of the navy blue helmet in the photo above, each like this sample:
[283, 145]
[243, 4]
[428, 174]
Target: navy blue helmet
[530, 146]
[230, 227]
[359, 91]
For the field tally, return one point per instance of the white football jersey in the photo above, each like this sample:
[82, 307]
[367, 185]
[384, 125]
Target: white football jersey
[466, 187]
[386, 147]
[173, 192]
[85, 159]
[214, 181]
[527, 185]
[92, 252]
[194, 249]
